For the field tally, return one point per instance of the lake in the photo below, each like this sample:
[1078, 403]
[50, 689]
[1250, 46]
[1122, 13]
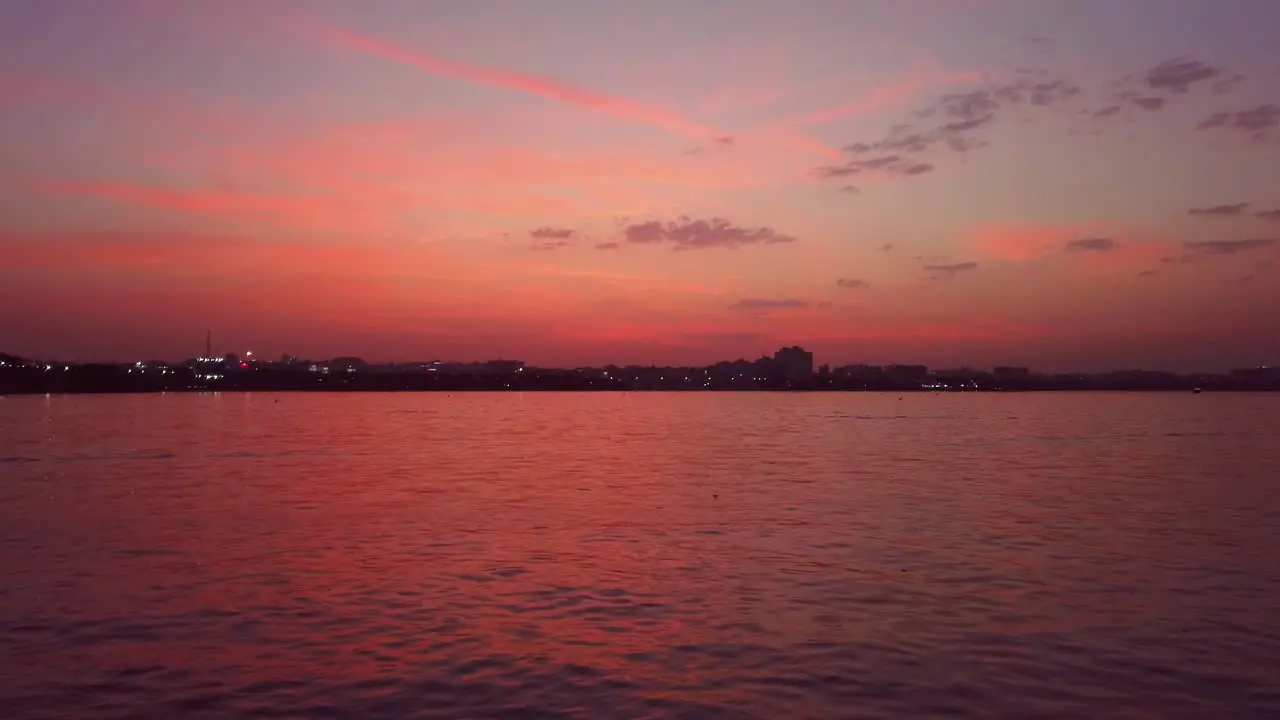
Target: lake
[628, 555]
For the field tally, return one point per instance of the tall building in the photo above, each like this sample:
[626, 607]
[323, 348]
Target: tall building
[794, 363]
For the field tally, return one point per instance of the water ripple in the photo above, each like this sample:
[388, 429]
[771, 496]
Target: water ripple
[658, 555]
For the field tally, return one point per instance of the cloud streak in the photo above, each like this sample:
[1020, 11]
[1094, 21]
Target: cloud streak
[852, 284]
[528, 83]
[1231, 210]
[1091, 245]
[885, 164]
[312, 211]
[762, 304]
[883, 97]
[549, 233]
[1227, 247]
[688, 234]
[548, 245]
[947, 272]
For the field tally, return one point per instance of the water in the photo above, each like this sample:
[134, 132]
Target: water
[640, 555]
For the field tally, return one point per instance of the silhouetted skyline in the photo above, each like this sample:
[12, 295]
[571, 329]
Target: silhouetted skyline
[788, 368]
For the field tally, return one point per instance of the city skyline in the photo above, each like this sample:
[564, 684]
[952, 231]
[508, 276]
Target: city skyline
[251, 359]
[787, 369]
[1081, 186]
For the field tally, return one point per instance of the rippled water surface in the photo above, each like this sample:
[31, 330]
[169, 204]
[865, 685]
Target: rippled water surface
[640, 555]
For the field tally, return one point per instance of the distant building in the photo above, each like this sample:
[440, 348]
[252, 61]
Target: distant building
[860, 372]
[1011, 375]
[794, 363]
[907, 372]
[348, 364]
[961, 374]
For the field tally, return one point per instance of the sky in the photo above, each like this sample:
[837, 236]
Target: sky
[1064, 184]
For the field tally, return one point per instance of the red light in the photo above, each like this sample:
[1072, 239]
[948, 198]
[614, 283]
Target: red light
[244, 365]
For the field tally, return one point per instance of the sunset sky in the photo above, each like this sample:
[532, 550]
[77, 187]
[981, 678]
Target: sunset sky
[1070, 184]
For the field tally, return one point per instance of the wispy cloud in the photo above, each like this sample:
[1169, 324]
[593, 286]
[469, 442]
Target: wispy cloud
[1179, 75]
[607, 246]
[887, 96]
[1227, 247]
[206, 254]
[852, 284]
[512, 80]
[758, 304]
[1230, 210]
[1148, 273]
[946, 272]
[1091, 245]
[1154, 89]
[951, 124]
[1150, 103]
[313, 211]
[1269, 214]
[550, 233]
[885, 164]
[549, 245]
[1257, 122]
[688, 234]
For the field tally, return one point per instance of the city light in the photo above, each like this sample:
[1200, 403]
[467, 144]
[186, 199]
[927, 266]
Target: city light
[788, 369]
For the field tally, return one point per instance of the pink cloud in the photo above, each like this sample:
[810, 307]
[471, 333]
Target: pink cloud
[208, 254]
[393, 167]
[513, 80]
[1019, 243]
[303, 211]
[1091, 246]
[890, 95]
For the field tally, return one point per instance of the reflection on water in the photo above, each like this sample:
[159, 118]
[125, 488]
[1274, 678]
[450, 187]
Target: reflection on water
[633, 555]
